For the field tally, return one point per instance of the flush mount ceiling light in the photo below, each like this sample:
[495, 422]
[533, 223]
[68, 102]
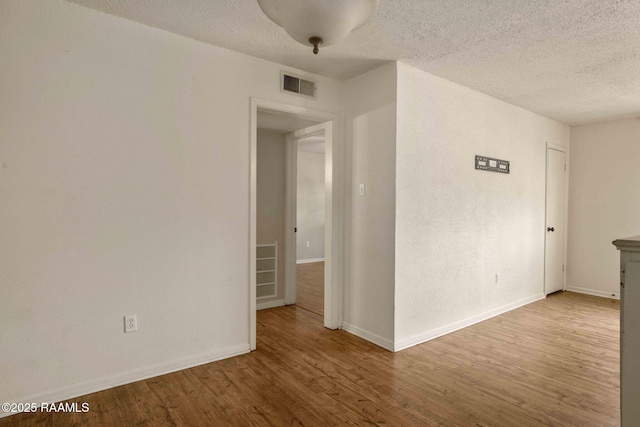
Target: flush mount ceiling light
[319, 22]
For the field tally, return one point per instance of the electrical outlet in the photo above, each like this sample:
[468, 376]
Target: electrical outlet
[130, 323]
[497, 278]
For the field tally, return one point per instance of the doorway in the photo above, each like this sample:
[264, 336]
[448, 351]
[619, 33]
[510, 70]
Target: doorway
[307, 185]
[555, 229]
[332, 212]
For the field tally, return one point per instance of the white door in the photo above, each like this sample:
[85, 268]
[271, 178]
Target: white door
[291, 221]
[554, 229]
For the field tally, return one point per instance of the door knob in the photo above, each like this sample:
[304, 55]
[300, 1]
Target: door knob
[550, 229]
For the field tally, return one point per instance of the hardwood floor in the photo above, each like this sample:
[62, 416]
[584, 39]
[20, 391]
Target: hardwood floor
[310, 287]
[551, 363]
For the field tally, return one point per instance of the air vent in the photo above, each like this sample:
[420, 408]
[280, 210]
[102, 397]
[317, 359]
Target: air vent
[294, 84]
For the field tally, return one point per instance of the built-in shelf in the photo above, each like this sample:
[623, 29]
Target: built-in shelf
[266, 270]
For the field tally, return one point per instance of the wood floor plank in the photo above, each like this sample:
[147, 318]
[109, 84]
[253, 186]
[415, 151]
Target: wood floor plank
[310, 287]
[551, 363]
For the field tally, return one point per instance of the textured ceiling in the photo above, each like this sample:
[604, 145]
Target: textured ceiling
[575, 61]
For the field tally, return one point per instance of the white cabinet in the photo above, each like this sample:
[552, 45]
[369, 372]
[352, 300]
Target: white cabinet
[629, 330]
[266, 270]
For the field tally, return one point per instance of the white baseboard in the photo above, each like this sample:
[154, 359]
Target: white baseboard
[269, 304]
[307, 261]
[369, 336]
[603, 294]
[135, 375]
[447, 329]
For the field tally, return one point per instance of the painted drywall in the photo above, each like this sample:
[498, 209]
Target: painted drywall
[370, 124]
[124, 189]
[456, 226]
[270, 198]
[310, 206]
[604, 202]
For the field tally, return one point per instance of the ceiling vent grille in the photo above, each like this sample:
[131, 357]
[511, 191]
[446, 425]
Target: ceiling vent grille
[295, 84]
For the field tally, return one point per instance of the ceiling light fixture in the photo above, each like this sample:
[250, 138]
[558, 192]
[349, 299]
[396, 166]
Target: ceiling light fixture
[319, 22]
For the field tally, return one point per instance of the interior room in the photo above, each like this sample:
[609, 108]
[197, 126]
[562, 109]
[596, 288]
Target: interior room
[209, 220]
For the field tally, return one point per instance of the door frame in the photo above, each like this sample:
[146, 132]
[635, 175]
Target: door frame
[334, 222]
[565, 150]
[291, 215]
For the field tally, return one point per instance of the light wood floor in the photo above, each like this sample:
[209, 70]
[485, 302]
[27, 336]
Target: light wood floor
[551, 363]
[310, 287]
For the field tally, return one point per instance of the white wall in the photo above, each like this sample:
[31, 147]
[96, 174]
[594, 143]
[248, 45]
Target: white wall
[370, 124]
[270, 198]
[456, 226]
[310, 206]
[124, 189]
[604, 202]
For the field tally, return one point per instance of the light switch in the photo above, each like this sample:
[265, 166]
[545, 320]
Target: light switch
[493, 163]
[361, 190]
